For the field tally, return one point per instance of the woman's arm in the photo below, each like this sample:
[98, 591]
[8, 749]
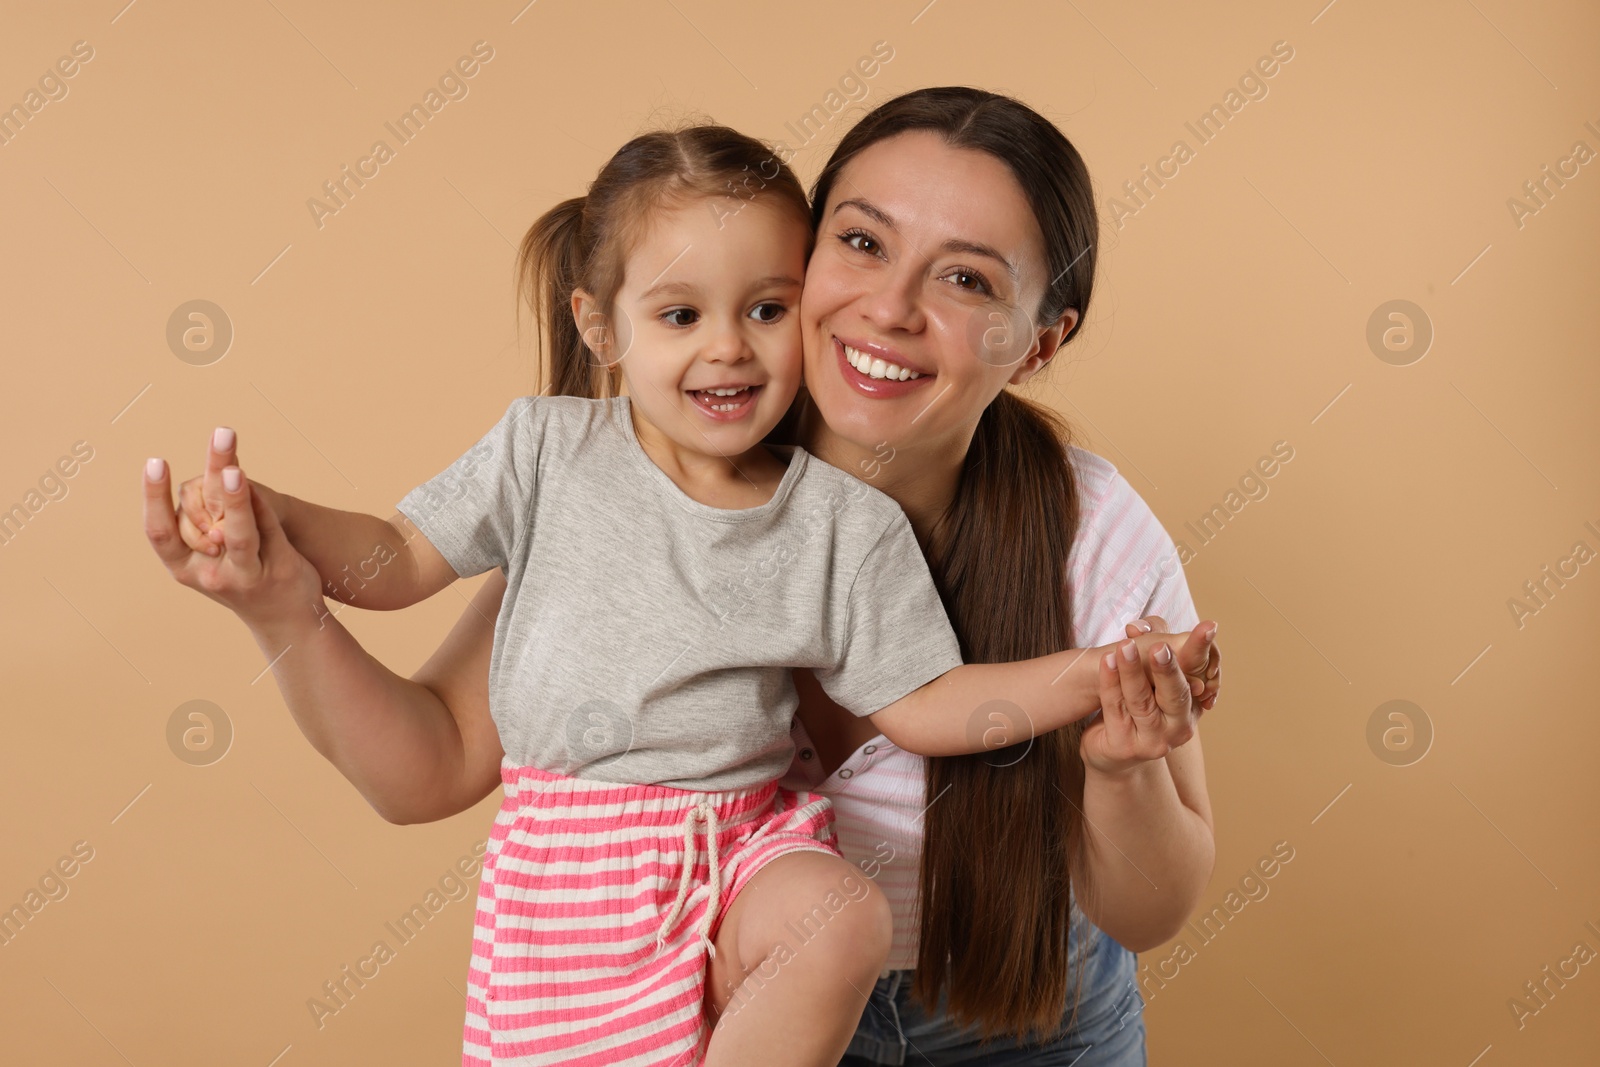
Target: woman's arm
[362, 560]
[1152, 839]
[1153, 847]
[417, 750]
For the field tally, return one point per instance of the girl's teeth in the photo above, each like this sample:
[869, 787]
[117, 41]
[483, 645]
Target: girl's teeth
[874, 367]
[707, 394]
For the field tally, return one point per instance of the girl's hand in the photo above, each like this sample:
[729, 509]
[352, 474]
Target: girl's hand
[1140, 721]
[256, 574]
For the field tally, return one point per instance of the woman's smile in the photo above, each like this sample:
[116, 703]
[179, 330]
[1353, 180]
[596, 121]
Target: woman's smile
[876, 371]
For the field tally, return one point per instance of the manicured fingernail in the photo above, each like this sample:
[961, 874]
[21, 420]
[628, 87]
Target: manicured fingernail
[222, 438]
[1163, 655]
[1143, 626]
[153, 468]
[230, 479]
[1111, 661]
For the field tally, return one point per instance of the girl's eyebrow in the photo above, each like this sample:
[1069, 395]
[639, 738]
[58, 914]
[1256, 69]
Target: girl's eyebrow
[953, 244]
[772, 281]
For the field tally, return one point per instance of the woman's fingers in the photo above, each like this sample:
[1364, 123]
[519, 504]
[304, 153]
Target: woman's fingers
[219, 454]
[1113, 712]
[241, 539]
[160, 523]
[1137, 695]
[1173, 696]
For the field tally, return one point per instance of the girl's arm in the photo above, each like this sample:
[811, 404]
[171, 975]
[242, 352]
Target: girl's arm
[362, 560]
[954, 714]
[417, 750]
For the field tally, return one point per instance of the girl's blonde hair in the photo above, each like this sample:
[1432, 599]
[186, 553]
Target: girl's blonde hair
[583, 243]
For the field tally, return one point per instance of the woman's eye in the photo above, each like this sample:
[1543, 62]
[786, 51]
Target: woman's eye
[768, 312]
[680, 317]
[861, 242]
[966, 279]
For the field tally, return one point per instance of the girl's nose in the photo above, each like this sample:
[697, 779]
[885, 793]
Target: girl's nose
[726, 346]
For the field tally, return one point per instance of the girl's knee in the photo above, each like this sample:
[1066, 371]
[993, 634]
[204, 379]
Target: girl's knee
[839, 898]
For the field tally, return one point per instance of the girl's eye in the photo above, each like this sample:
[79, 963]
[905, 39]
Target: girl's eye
[968, 280]
[861, 241]
[767, 312]
[680, 317]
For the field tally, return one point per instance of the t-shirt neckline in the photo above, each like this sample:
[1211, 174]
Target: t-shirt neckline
[797, 463]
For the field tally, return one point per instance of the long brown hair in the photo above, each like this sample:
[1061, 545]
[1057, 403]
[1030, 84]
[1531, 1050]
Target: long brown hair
[1003, 848]
[583, 243]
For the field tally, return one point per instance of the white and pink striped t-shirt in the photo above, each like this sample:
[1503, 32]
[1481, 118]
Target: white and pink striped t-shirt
[1122, 566]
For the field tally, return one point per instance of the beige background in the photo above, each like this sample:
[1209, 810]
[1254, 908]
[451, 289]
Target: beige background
[1232, 313]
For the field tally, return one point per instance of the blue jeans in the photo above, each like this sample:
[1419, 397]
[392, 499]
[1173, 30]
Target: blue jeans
[1109, 1031]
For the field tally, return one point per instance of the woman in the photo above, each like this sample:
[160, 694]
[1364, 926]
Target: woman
[955, 241]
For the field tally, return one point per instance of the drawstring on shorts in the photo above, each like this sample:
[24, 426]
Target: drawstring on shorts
[701, 810]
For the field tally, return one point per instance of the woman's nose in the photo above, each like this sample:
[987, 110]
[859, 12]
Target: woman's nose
[894, 303]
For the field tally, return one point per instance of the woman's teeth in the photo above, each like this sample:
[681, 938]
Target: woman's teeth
[874, 367]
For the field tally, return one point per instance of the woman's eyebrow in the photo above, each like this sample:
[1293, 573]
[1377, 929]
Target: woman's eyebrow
[954, 244]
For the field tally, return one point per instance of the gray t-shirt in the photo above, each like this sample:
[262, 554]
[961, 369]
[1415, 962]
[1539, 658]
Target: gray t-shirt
[646, 637]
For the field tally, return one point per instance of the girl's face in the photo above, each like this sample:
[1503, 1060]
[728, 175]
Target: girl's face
[704, 326]
[919, 298]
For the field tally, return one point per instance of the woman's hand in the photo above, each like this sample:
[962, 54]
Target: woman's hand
[1144, 716]
[1200, 660]
[256, 573]
[201, 498]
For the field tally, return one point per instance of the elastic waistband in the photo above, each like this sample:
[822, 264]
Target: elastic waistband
[536, 787]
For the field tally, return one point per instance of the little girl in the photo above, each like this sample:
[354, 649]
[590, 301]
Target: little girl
[665, 569]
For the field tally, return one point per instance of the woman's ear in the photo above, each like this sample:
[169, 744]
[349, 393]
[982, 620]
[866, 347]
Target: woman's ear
[1045, 346]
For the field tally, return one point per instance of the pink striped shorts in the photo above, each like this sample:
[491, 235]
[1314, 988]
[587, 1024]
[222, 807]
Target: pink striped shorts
[597, 908]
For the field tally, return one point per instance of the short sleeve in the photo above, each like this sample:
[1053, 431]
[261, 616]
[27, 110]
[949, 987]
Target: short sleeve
[896, 636]
[1123, 564]
[475, 510]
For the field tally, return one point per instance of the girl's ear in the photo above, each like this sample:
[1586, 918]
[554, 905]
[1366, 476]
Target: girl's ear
[592, 325]
[1045, 346]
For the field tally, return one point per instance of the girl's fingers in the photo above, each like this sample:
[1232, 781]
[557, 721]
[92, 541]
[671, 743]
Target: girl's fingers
[220, 453]
[1137, 695]
[192, 536]
[267, 524]
[160, 523]
[240, 536]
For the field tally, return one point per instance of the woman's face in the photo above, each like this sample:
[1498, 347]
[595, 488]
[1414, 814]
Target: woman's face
[919, 298]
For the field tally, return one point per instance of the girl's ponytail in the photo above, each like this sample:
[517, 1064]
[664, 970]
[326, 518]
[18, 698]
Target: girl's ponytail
[550, 265]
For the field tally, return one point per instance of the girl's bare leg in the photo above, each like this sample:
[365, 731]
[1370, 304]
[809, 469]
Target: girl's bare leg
[798, 952]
